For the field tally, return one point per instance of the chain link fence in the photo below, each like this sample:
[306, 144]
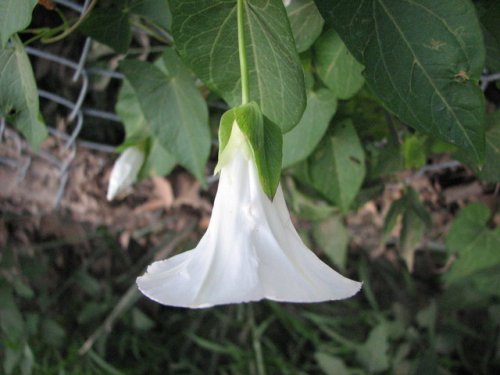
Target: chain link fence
[75, 119]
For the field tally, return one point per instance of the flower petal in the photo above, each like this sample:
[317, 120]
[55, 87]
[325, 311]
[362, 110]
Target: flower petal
[250, 251]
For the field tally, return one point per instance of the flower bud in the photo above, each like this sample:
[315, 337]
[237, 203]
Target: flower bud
[125, 171]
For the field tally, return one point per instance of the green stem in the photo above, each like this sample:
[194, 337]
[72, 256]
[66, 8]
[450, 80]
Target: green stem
[245, 92]
[73, 27]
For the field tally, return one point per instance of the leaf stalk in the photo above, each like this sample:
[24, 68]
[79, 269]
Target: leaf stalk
[245, 91]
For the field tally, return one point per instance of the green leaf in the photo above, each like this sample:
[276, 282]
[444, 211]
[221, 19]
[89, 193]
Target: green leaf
[373, 354]
[331, 365]
[11, 360]
[303, 139]
[304, 206]
[336, 67]
[414, 151]
[174, 109]
[476, 246]
[205, 32]
[427, 77]
[141, 321]
[415, 220]
[11, 320]
[264, 139]
[53, 333]
[157, 11]
[28, 361]
[491, 32]
[490, 171]
[337, 167]
[18, 93]
[15, 15]
[137, 131]
[332, 237]
[129, 110]
[306, 22]
[110, 26]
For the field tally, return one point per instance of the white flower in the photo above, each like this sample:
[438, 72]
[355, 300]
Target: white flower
[250, 251]
[125, 171]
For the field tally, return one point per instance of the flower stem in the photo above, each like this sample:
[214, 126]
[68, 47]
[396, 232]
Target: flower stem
[245, 92]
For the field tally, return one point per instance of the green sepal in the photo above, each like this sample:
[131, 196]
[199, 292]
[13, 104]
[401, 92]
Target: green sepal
[264, 141]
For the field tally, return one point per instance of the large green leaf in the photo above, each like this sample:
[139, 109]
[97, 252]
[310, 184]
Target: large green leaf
[476, 246]
[423, 59]
[303, 139]
[15, 15]
[205, 33]
[336, 67]
[19, 102]
[174, 109]
[337, 168]
[306, 22]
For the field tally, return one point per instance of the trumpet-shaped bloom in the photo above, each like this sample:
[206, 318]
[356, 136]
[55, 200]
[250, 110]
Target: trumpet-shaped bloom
[250, 250]
[125, 171]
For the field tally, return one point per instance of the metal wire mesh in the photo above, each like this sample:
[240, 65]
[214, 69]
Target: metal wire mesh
[77, 113]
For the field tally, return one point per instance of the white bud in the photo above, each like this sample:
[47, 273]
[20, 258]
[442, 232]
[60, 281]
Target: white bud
[125, 171]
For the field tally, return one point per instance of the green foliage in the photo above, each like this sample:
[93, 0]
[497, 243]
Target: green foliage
[491, 33]
[15, 15]
[429, 79]
[336, 67]
[476, 246]
[332, 237]
[421, 61]
[206, 38]
[158, 160]
[305, 21]
[111, 25]
[303, 138]
[489, 171]
[19, 98]
[331, 365]
[174, 109]
[414, 220]
[337, 167]
[373, 353]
